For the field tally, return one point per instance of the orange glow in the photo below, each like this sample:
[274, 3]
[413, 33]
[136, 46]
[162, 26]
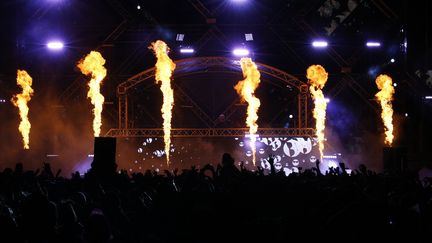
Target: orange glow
[246, 89]
[164, 69]
[385, 97]
[318, 76]
[93, 64]
[20, 100]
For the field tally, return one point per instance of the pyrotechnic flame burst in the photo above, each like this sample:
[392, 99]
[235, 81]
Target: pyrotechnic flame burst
[164, 69]
[92, 65]
[246, 89]
[385, 97]
[318, 76]
[20, 100]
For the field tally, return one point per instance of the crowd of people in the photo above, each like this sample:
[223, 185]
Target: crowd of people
[214, 204]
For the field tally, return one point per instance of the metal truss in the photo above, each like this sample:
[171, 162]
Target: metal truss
[230, 110]
[182, 95]
[203, 10]
[210, 132]
[341, 62]
[201, 64]
[303, 106]
[123, 111]
[79, 83]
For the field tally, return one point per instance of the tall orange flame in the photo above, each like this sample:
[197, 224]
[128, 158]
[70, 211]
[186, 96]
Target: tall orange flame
[318, 76]
[385, 97]
[20, 100]
[164, 69]
[246, 89]
[93, 64]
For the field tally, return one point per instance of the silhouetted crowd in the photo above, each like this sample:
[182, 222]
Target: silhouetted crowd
[215, 204]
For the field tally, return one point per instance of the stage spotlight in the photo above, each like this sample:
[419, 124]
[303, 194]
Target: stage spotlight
[238, 1]
[249, 37]
[392, 60]
[319, 44]
[373, 44]
[180, 37]
[138, 7]
[187, 50]
[291, 116]
[327, 100]
[55, 45]
[395, 84]
[241, 52]
[406, 115]
[428, 97]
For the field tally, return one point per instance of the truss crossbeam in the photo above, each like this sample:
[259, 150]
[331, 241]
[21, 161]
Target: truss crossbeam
[210, 132]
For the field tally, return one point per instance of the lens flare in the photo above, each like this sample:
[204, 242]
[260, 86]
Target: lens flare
[93, 64]
[20, 100]
[318, 76]
[246, 89]
[164, 69]
[385, 97]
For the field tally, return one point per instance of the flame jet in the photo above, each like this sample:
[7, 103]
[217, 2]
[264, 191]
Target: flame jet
[93, 64]
[246, 89]
[385, 97]
[318, 76]
[20, 100]
[164, 69]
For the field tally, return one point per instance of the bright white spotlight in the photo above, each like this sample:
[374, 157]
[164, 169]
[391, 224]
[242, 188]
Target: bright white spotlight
[319, 44]
[55, 45]
[187, 50]
[428, 97]
[392, 60]
[180, 37]
[373, 44]
[138, 7]
[249, 37]
[327, 100]
[241, 52]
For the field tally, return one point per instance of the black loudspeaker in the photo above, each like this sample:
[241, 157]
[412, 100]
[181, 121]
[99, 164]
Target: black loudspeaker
[394, 159]
[104, 161]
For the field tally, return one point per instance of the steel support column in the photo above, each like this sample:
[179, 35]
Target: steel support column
[123, 111]
[303, 106]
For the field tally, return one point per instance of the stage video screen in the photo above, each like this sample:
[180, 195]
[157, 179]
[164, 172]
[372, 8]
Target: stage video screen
[291, 153]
